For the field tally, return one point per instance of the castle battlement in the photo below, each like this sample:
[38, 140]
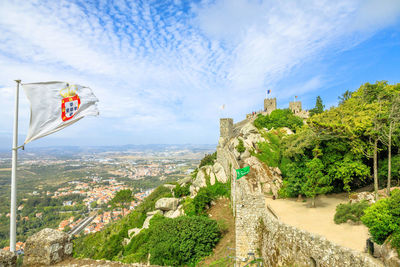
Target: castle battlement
[269, 105]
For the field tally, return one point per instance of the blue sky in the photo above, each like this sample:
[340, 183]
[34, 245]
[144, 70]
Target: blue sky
[162, 69]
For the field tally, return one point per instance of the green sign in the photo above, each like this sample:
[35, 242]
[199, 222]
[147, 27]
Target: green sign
[242, 172]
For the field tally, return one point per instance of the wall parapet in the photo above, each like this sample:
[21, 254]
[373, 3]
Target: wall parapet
[277, 243]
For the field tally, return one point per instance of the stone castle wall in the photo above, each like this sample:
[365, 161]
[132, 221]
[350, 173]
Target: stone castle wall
[226, 127]
[278, 244]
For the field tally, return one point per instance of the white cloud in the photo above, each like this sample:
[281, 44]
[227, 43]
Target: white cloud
[161, 68]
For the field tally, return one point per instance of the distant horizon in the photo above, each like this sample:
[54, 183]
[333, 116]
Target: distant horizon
[4, 149]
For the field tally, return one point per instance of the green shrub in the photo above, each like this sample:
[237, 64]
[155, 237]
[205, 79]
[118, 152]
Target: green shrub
[269, 151]
[208, 159]
[198, 205]
[383, 219]
[181, 191]
[107, 244]
[278, 118]
[183, 240]
[240, 147]
[188, 207]
[353, 212]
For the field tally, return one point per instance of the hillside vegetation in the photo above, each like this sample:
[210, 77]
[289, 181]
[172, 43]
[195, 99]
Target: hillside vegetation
[184, 240]
[340, 150]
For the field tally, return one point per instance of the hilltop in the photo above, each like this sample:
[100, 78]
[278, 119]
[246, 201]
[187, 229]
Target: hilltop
[291, 153]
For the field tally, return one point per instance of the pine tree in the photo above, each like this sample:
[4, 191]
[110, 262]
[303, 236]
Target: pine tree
[319, 107]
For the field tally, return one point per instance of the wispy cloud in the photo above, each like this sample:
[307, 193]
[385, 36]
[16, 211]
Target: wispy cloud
[162, 68]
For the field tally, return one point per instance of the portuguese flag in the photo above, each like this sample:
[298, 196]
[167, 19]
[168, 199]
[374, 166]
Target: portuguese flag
[242, 172]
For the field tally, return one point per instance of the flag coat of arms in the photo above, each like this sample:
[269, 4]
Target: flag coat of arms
[56, 105]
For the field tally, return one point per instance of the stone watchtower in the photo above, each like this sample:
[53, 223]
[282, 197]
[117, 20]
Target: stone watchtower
[269, 105]
[295, 107]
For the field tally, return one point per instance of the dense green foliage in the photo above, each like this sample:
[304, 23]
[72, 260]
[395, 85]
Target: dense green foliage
[180, 241]
[383, 219]
[318, 182]
[183, 240]
[240, 147]
[348, 211]
[278, 118]
[122, 198]
[107, 244]
[174, 242]
[343, 142]
[269, 152]
[319, 107]
[198, 205]
[208, 159]
[181, 191]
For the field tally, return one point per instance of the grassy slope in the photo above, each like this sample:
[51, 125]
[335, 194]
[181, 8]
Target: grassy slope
[222, 211]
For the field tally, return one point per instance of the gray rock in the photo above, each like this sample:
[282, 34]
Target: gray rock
[47, 247]
[146, 223]
[193, 190]
[200, 180]
[7, 259]
[212, 178]
[166, 204]
[220, 173]
[185, 180]
[154, 212]
[265, 180]
[389, 255]
[134, 231]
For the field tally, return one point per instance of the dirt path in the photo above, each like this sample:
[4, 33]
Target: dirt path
[222, 211]
[319, 220]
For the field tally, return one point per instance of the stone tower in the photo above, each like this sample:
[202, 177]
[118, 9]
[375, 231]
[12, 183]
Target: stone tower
[269, 105]
[295, 107]
[226, 128]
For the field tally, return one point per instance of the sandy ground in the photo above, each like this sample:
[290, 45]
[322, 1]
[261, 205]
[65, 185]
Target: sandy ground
[319, 220]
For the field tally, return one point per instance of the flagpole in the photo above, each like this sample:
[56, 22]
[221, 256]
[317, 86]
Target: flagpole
[13, 208]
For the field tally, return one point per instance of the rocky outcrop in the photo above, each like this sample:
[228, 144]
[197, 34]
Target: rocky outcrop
[208, 174]
[7, 259]
[200, 180]
[263, 179]
[389, 255]
[357, 197]
[47, 247]
[175, 213]
[134, 231]
[166, 204]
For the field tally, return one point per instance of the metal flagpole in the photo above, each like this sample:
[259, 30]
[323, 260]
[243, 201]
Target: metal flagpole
[13, 209]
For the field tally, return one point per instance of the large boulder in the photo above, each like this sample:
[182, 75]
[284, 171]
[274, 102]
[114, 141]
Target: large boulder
[220, 173]
[175, 213]
[357, 197]
[262, 178]
[166, 204]
[248, 129]
[7, 258]
[389, 255]
[47, 247]
[200, 180]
